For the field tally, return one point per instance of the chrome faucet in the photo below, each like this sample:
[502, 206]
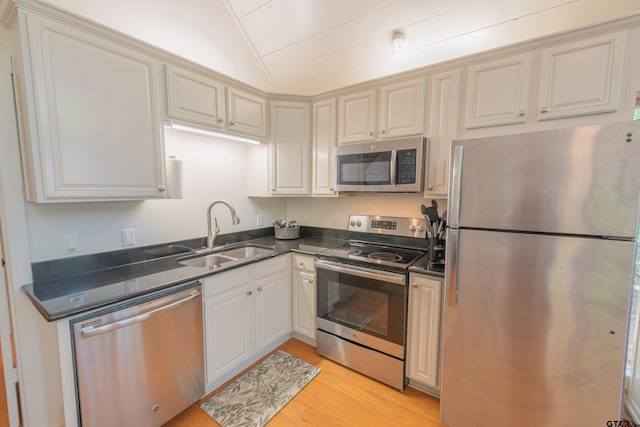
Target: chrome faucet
[211, 235]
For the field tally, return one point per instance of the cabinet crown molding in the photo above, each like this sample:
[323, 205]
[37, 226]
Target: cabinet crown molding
[7, 12]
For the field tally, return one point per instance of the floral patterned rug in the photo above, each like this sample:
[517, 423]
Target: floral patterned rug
[253, 399]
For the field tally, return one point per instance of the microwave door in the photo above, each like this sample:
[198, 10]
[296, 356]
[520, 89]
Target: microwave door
[365, 169]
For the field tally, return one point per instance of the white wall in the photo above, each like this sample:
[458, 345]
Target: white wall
[213, 169]
[334, 212]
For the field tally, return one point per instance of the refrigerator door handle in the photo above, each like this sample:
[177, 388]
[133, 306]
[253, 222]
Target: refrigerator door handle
[456, 182]
[451, 276]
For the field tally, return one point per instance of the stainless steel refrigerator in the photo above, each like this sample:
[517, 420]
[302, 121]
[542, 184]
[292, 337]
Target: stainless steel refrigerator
[541, 250]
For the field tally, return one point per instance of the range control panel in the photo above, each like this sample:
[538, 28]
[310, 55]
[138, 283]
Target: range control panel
[393, 226]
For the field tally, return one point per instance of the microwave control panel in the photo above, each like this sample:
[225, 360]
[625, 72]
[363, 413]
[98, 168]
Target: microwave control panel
[406, 166]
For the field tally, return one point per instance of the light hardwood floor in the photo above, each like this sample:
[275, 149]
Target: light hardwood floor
[337, 396]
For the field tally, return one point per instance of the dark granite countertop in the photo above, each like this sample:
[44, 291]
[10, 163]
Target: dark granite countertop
[67, 287]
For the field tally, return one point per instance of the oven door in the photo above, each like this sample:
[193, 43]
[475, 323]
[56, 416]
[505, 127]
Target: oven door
[363, 305]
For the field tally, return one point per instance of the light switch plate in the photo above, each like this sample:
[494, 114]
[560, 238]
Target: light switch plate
[71, 242]
[128, 236]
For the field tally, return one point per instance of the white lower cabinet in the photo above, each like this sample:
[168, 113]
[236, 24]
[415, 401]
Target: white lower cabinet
[272, 302]
[423, 337]
[303, 284]
[247, 313]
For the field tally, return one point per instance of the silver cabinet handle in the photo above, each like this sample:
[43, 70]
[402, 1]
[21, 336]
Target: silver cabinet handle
[310, 280]
[371, 133]
[383, 131]
[415, 285]
[430, 187]
[162, 188]
[521, 114]
[232, 123]
[543, 110]
[220, 120]
[249, 292]
[259, 288]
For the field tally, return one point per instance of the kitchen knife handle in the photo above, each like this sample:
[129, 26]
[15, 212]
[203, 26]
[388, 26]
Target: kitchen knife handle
[451, 273]
[453, 218]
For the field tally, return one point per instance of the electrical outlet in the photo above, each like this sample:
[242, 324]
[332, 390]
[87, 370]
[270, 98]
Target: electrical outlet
[259, 221]
[71, 242]
[128, 236]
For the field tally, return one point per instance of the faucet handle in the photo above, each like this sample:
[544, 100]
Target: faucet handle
[216, 229]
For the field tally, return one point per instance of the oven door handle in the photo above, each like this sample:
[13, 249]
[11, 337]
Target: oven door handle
[367, 273]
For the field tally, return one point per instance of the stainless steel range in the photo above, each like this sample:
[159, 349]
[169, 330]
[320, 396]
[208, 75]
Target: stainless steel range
[362, 299]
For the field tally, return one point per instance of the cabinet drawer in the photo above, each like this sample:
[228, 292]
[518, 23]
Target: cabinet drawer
[304, 262]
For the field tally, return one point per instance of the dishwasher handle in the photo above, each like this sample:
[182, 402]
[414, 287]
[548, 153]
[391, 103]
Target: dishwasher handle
[93, 329]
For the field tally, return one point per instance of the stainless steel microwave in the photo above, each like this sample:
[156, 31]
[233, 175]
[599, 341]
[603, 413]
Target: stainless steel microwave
[392, 166]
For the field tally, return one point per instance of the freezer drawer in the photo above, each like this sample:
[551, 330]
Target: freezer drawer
[537, 333]
[142, 365]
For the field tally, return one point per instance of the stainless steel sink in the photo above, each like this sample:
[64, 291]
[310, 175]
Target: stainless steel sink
[247, 252]
[218, 258]
[211, 262]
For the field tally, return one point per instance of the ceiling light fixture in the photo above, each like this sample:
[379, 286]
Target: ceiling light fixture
[398, 41]
[207, 132]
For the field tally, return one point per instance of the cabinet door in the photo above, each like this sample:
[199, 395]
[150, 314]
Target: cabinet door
[290, 145]
[194, 98]
[357, 117]
[423, 346]
[273, 309]
[324, 142]
[497, 92]
[246, 113]
[304, 304]
[402, 109]
[94, 128]
[229, 322]
[445, 100]
[581, 78]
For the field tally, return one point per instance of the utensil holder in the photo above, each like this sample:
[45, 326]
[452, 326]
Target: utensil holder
[436, 250]
[288, 233]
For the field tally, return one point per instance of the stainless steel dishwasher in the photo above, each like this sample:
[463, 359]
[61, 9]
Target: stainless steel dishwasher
[141, 363]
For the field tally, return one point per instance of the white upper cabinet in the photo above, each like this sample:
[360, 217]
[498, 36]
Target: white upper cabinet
[290, 148]
[400, 112]
[90, 116]
[497, 92]
[357, 117]
[445, 102]
[324, 142]
[246, 113]
[402, 109]
[581, 78]
[194, 98]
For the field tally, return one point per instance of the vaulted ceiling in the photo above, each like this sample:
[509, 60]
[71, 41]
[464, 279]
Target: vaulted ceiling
[307, 47]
